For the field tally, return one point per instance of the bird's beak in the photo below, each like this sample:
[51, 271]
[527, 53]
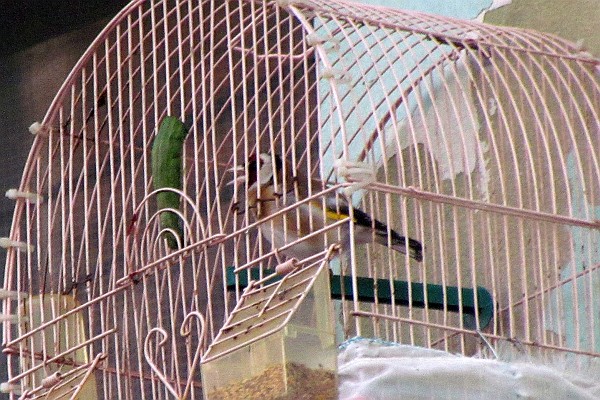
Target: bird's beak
[239, 179]
[238, 168]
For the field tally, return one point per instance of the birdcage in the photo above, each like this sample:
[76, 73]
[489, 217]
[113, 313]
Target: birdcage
[479, 142]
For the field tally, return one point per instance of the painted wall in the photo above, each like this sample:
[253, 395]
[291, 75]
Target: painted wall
[574, 20]
[571, 19]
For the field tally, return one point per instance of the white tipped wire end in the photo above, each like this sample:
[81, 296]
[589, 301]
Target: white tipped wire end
[6, 387]
[32, 198]
[313, 39]
[336, 73]
[328, 73]
[12, 318]
[11, 294]
[334, 47]
[329, 43]
[21, 246]
[472, 36]
[35, 128]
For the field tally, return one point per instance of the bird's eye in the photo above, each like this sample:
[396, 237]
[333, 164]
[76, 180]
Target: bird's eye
[264, 159]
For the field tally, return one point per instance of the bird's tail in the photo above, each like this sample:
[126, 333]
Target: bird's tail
[398, 243]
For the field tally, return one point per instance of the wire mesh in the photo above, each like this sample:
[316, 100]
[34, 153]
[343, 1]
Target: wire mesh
[484, 141]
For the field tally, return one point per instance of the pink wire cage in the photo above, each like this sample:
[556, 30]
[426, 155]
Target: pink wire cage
[484, 146]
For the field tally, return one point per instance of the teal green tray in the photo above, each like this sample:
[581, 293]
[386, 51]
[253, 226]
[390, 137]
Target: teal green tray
[438, 297]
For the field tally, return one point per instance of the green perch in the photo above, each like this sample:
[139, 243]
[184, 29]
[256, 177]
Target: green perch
[167, 166]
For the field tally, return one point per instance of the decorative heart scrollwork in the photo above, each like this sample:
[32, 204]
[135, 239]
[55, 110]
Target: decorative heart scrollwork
[185, 331]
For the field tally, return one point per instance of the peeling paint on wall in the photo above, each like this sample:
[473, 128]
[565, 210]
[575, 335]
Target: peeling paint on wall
[579, 325]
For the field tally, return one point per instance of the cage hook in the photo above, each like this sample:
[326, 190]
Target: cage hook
[487, 343]
[161, 376]
[185, 331]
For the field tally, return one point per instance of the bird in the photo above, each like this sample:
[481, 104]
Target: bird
[271, 188]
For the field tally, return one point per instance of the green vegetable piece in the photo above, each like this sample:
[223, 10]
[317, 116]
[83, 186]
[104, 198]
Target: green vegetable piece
[167, 151]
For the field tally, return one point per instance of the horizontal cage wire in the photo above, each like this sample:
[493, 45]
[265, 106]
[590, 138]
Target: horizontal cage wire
[480, 142]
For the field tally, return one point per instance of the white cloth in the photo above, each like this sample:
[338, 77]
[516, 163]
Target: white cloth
[373, 370]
